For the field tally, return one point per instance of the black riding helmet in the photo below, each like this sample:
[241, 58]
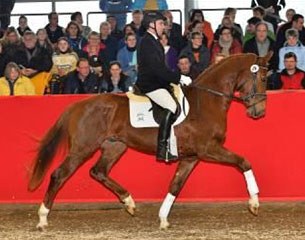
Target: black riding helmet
[150, 17]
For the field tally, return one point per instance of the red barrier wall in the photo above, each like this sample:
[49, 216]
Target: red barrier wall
[274, 145]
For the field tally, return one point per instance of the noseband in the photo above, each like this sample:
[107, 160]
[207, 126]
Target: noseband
[244, 99]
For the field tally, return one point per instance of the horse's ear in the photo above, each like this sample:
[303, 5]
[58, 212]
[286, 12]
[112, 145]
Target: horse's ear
[268, 56]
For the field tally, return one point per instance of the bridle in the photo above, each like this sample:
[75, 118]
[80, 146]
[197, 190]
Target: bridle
[244, 99]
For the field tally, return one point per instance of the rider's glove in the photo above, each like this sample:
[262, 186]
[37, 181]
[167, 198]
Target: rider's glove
[185, 80]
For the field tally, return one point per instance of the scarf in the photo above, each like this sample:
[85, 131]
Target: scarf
[225, 46]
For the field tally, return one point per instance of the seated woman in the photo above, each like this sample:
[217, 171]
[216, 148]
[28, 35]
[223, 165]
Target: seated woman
[116, 82]
[64, 58]
[43, 40]
[127, 56]
[75, 38]
[226, 44]
[13, 83]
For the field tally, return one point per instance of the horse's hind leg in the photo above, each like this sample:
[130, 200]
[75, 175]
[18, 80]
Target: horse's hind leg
[222, 155]
[58, 178]
[111, 153]
[183, 170]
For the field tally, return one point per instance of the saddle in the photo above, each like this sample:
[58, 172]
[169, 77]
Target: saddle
[145, 113]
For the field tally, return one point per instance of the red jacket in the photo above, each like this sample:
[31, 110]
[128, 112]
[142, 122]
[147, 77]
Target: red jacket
[295, 81]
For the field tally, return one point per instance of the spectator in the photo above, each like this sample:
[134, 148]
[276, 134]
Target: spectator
[251, 29]
[150, 4]
[74, 36]
[127, 57]
[137, 17]
[292, 45]
[11, 37]
[289, 14]
[226, 44]
[54, 31]
[129, 28]
[117, 6]
[116, 82]
[174, 32]
[259, 12]
[6, 7]
[81, 80]
[297, 23]
[198, 54]
[78, 17]
[64, 58]
[2, 60]
[207, 28]
[171, 55]
[231, 13]
[290, 77]
[272, 8]
[197, 26]
[226, 22]
[11, 43]
[23, 25]
[94, 51]
[31, 58]
[43, 41]
[115, 31]
[110, 42]
[261, 44]
[14, 83]
[185, 67]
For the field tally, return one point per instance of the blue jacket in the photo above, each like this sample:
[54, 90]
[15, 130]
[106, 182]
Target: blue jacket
[140, 4]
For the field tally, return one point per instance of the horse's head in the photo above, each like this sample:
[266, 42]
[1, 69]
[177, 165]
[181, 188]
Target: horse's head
[252, 86]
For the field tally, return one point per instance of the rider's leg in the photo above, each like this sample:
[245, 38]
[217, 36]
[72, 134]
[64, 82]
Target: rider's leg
[163, 98]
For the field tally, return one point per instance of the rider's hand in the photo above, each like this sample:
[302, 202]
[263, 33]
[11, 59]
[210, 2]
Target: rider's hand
[185, 80]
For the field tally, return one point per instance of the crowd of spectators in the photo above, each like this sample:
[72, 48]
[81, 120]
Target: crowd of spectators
[79, 60]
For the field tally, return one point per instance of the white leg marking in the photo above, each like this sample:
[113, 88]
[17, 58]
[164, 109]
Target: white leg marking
[165, 209]
[43, 214]
[251, 183]
[129, 202]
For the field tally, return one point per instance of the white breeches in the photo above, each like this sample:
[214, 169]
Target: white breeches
[163, 98]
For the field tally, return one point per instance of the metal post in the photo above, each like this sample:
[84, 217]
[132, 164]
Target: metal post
[189, 4]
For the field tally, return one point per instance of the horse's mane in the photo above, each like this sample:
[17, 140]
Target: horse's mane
[224, 62]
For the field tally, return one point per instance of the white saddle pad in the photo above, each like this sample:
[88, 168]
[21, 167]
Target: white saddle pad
[141, 115]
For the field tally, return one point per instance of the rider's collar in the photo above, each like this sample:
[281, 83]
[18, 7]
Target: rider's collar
[153, 34]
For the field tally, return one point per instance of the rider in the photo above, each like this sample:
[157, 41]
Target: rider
[154, 78]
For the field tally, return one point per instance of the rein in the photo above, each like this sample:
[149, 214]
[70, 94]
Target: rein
[252, 93]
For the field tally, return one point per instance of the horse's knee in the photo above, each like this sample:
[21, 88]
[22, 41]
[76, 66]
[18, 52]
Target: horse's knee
[97, 174]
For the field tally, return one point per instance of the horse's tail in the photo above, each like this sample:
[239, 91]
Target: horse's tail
[46, 153]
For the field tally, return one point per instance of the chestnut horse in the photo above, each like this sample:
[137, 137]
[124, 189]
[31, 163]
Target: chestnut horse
[102, 123]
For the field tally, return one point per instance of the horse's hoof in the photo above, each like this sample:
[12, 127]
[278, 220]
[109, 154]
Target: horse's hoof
[41, 227]
[130, 205]
[164, 224]
[253, 210]
[130, 210]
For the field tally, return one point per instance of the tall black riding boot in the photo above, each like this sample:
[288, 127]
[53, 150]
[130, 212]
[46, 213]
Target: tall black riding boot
[163, 153]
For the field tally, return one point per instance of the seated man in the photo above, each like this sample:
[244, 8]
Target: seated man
[81, 80]
[290, 77]
[186, 68]
[31, 58]
[261, 44]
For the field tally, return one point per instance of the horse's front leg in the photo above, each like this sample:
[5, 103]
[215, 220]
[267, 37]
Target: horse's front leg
[219, 154]
[183, 170]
